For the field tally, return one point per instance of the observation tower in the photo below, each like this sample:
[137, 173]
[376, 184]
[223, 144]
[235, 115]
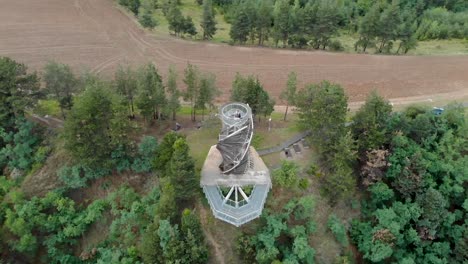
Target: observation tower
[234, 178]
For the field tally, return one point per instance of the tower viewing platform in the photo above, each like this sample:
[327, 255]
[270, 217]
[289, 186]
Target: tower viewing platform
[234, 178]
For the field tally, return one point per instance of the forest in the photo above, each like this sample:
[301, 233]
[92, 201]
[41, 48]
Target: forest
[383, 26]
[133, 194]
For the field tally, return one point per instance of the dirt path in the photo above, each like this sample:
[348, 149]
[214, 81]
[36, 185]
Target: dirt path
[218, 256]
[95, 35]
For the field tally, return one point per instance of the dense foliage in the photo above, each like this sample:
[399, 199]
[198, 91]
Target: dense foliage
[387, 26]
[322, 108]
[416, 211]
[60, 84]
[282, 236]
[249, 90]
[98, 134]
[96, 125]
[411, 166]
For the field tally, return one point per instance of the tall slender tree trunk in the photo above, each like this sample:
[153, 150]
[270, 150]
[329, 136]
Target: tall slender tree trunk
[174, 115]
[63, 112]
[399, 47]
[286, 112]
[382, 45]
[132, 108]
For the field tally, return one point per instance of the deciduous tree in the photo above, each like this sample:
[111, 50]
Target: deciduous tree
[289, 93]
[61, 84]
[207, 92]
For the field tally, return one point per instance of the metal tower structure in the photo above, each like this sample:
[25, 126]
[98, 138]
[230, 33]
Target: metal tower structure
[234, 178]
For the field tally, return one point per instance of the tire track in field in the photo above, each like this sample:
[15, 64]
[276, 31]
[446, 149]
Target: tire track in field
[107, 63]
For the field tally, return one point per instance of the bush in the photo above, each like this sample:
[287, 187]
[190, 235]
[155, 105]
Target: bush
[336, 46]
[304, 184]
[77, 176]
[47, 107]
[146, 153]
[146, 19]
[286, 176]
[21, 146]
[338, 229]
[257, 141]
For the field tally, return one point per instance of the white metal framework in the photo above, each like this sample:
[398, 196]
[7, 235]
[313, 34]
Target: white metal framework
[234, 178]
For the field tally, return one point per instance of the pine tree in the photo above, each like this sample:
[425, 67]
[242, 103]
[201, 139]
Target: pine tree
[388, 26]
[263, 20]
[407, 31]
[369, 123]
[95, 126]
[173, 103]
[188, 26]
[145, 13]
[327, 21]
[282, 21]
[175, 18]
[240, 27]
[322, 108]
[368, 28]
[126, 85]
[181, 172]
[151, 97]
[208, 23]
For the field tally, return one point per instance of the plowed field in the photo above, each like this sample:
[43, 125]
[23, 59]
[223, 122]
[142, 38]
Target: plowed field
[96, 35]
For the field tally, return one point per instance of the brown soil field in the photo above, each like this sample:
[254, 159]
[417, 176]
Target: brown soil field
[97, 35]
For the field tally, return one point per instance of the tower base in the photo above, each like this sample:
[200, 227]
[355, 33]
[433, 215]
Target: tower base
[235, 198]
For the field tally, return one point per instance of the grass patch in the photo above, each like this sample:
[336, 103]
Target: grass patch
[202, 139]
[48, 107]
[429, 47]
[347, 39]
[192, 9]
[275, 136]
[441, 47]
[185, 110]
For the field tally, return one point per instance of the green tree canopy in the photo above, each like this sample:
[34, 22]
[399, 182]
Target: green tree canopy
[96, 125]
[61, 84]
[322, 108]
[369, 126]
[18, 91]
[181, 171]
[250, 91]
[208, 23]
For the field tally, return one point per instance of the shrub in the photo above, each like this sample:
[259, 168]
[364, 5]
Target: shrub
[336, 46]
[21, 146]
[47, 107]
[146, 153]
[338, 229]
[77, 176]
[286, 176]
